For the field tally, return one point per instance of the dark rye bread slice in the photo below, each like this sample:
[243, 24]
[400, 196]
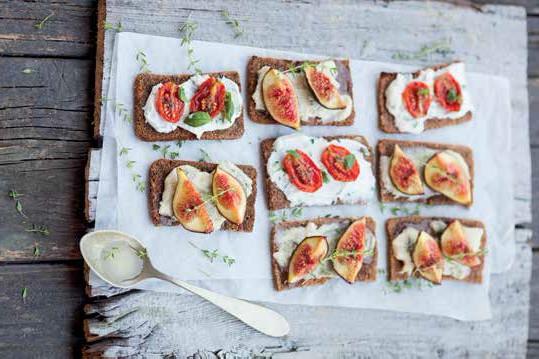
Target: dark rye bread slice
[366, 274]
[394, 226]
[142, 88]
[386, 121]
[385, 148]
[344, 78]
[275, 197]
[156, 179]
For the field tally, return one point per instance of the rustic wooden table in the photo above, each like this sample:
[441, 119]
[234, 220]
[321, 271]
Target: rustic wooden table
[46, 109]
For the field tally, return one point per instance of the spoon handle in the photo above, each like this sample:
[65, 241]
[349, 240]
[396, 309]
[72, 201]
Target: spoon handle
[260, 318]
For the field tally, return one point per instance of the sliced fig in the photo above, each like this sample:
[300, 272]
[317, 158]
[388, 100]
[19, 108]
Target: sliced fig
[404, 174]
[349, 264]
[230, 200]
[188, 206]
[324, 89]
[428, 258]
[306, 257]
[456, 246]
[280, 98]
[444, 173]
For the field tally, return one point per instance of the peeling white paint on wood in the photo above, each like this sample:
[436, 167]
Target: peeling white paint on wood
[492, 40]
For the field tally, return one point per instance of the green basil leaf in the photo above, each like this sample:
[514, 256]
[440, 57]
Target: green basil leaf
[198, 119]
[349, 161]
[229, 106]
[181, 94]
[294, 153]
[325, 177]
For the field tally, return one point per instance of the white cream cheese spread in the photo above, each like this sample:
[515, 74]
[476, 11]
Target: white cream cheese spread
[309, 107]
[359, 191]
[403, 119]
[189, 89]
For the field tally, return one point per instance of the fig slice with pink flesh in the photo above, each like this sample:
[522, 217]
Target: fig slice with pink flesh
[428, 259]
[230, 197]
[324, 89]
[280, 98]
[188, 206]
[349, 251]
[456, 246]
[404, 174]
[444, 173]
[306, 257]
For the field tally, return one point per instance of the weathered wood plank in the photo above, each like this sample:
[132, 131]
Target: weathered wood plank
[146, 323]
[45, 120]
[534, 295]
[535, 202]
[533, 46]
[533, 90]
[46, 324]
[69, 32]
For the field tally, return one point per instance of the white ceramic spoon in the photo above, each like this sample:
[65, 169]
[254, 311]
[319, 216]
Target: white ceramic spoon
[260, 318]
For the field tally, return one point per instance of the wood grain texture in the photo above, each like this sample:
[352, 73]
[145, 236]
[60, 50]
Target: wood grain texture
[534, 295]
[67, 33]
[44, 117]
[46, 324]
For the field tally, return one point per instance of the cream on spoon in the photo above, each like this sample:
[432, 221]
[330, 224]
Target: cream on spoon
[122, 261]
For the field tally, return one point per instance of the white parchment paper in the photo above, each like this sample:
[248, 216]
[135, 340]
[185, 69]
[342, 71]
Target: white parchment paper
[121, 206]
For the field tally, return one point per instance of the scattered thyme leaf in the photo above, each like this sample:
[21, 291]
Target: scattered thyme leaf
[188, 29]
[38, 228]
[130, 163]
[110, 26]
[28, 71]
[349, 161]
[111, 253]
[142, 61]
[205, 156]
[124, 151]
[24, 294]
[37, 251]
[234, 24]
[41, 24]
[18, 207]
[293, 153]
[296, 212]
[325, 177]
[155, 147]
[442, 47]
[174, 155]
[229, 260]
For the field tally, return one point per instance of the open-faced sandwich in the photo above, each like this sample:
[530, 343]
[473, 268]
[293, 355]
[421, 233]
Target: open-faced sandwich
[293, 93]
[317, 171]
[436, 249]
[431, 98]
[433, 173]
[188, 107]
[202, 197]
[311, 252]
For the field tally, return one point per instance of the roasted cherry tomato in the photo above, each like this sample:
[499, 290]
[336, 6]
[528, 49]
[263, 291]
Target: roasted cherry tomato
[341, 164]
[210, 97]
[302, 171]
[447, 91]
[168, 105]
[417, 98]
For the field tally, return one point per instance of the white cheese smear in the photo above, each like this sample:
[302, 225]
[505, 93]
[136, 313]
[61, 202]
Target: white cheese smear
[359, 191]
[403, 119]
[403, 246]
[288, 239]
[309, 107]
[419, 156]
[203, 183]
[190, 87]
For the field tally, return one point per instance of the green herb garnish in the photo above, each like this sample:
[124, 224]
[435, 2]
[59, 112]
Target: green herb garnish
[212, 254]
[24, 294]
[293, 153]
[205, 156]
[110, 26]
[452, 96]
[325, 177]
[38, 228]
[235, 24]
[349, 161]
[28, 71]
[181, 94]
[41, 24]
[198, 119]
[142, 61]
[188, 29]
[111, 253]
[423, 92]
[229, 107]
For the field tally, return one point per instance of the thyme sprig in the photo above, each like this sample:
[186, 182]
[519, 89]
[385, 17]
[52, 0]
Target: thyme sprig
[38, 228]
[24, 294]
[297, 69]
[442, 47]
[208, 200]
[188, 29]
[342, 253]
[213, 254]
[111, 26]
[233, 23]
[205, 156]
[111, 253]
[480, 253]
[41, 24]
[140, 185]
[142, 61]
[409, 283]
[165, 151]
[406, 211]
[37, 251]
[283, 215]
[28, 71]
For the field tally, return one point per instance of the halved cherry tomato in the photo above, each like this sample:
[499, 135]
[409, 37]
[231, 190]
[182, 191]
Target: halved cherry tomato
[210, 97]
[168, 105]
[448, 92]
[417, 98]
[302, 171]
[341, 163]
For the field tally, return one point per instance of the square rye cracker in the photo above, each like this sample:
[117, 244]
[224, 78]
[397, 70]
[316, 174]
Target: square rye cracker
[142, 88]
[366, 274]
[156, 180]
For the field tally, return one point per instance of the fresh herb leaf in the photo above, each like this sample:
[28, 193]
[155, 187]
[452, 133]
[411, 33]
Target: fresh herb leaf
[181, 95]
[164, 151]
[24, 294]
[452, 96]
[395, 210]
[18, 207]
[110, 26]
[293, 153]
[111, 253]
[14, 194]
[188, 29]
[38, 228]
[234, 24]
[28, 71]
[205, 156]
[141, 253]
[442, 47]
[325, 177]
[37, 252]
[41, 24]
[296, 212]
[124, 151]
[229, 260]
[142, 61]
[423, 92]
[382, 207]
[174, 155]
[349, 161]
[155, 147]
[229, 107]
[130, 163]
[198, 119]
